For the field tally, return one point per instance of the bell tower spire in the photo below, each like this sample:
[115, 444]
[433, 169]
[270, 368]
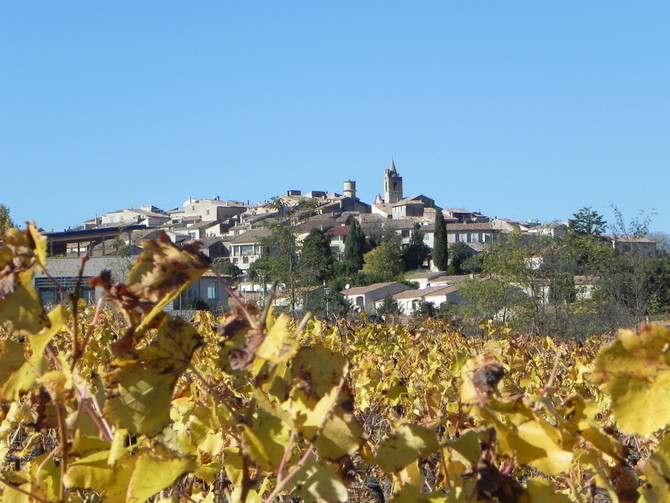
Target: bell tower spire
[392, 185]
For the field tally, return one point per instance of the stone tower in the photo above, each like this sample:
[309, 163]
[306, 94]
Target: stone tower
[392, 185]
[350, 189]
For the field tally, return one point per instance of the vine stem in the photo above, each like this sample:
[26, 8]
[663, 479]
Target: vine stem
[23, 491]
[283, 482]
[222, 400]
[63, 448]
[284, 459]
[547, 387]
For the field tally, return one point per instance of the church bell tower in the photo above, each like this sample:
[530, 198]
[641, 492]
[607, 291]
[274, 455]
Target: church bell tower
[392, 185]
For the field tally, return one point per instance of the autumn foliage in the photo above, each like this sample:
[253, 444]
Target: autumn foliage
[125, 402]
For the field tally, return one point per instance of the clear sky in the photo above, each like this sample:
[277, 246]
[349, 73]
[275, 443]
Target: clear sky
[518, 109]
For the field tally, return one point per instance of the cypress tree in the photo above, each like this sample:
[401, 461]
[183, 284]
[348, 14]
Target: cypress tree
[440, 254]
[355, 245]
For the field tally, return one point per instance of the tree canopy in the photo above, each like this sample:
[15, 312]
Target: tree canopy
[415, 254]
[355, 245]
[587, 221]
[440, 253]
[384, 263]
[316, 259]
[5, 219]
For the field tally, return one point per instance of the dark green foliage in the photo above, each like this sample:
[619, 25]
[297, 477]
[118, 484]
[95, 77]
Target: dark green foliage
[389, 306]
[459, 252]
[322, 302]
[344, 269]
[260, 270]
[425, 310]
[316, 259]
[416, 253]
[440, 253]
[226, 268]
[355, 245]
[587, 222]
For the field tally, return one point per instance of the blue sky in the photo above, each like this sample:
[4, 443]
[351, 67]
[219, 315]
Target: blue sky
[524, 110]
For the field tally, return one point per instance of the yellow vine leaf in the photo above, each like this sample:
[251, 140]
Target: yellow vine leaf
[541, 490]
[132, 478]
[233, 464]
[91, 472]
[38, 343]
[341, 436]
[319, 394]
[412, 494]
[408, 443]
[467, 448]
[657, 472]
[634, 371]
[317, 369]
[411, 475]
[21, 309]
[279, 344]
[48, 473]
[140, 384]
[532, 440]
[153, 473]
[266, 440]
[318, 482]
[16, 374]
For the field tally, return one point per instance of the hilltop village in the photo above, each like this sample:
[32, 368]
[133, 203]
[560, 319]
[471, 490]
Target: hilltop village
[235, 232]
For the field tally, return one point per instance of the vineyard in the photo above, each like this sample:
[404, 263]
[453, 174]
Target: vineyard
[124, 402]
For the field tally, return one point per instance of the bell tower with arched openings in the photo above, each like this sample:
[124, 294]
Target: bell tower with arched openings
[392, 185]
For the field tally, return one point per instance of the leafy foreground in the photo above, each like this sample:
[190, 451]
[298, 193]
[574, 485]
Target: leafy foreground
[128, 403]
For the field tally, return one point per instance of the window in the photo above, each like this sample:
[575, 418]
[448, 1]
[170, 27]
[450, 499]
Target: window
[207, 212]
[213, 291]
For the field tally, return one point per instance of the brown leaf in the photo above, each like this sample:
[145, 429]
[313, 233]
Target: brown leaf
[493, 485]
[164, 267]
[487, 375]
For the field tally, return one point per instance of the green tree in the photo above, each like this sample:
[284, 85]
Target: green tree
[316, 259]
[355, 245]
[5, 219]
[384, 263]
[225, 267]
[322, 302]
[588, 222]
[416, 252]
[389, 306]
[492, 298]
[281, 259]
[440, 253]
[459, 252]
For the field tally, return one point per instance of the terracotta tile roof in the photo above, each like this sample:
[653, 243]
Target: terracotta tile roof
[360, 290]
[339, 230]
[470, 227]
[251, 236]
[426, 292]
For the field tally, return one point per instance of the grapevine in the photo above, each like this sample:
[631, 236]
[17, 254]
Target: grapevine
[125, 402]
